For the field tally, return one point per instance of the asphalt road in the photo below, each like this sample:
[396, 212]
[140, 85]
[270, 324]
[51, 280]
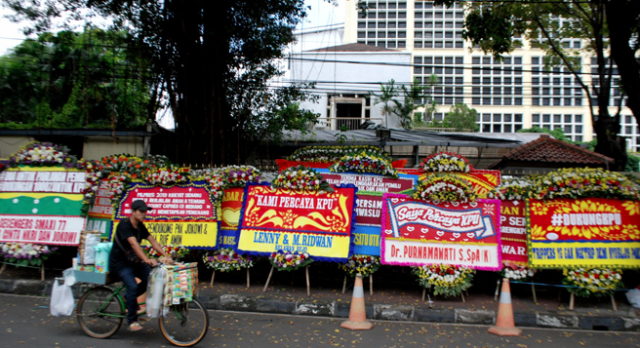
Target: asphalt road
[24, 324]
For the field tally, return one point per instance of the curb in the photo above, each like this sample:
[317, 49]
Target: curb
[259, 304]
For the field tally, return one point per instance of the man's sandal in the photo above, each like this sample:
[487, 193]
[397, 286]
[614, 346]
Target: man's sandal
[135, 327]
[142, 308]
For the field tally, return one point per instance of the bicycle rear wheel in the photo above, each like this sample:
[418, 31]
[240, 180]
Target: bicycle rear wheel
[100, 312]
[186, 324]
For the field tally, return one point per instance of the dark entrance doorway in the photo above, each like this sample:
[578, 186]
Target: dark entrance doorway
[350, 111]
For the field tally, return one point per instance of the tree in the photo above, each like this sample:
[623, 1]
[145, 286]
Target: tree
[460, 117]
[74, 80]
[494, 27]
[623, 22]
[412, 97]
[212, 58]
[405, 101]
[385, 97]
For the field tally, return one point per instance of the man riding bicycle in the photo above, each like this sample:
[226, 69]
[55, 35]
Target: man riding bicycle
[129, 262]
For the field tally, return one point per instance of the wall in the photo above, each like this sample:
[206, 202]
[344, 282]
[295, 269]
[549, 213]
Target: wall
[12, 144]
[96, 148]
[363, 78]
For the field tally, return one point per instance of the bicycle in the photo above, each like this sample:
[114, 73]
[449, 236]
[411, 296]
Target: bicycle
[101, 311]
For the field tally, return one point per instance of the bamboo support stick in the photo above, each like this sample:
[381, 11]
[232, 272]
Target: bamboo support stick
[571, 301]
[248, 279]
[306, 270]
[371, 284]
[613, 303]
[213, 276]
[462, 294]
[424, 293]
[495, 296]
[268, 280]
[4, 266]
[42, 271]
[533, 291]
[344, 284]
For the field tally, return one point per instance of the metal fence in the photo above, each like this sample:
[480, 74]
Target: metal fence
[348, 123]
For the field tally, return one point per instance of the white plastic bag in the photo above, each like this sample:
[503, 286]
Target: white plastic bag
[62, 301]
[634, 297]
[69, 277]
[155, 291]
[89, 257]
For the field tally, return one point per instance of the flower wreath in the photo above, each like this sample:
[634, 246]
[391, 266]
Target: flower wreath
[239, 176]
[363, 264]
[447, 280]
[49, 154]
[289, 261]
[329, 154]
[176, 252]
[446, 162]
[226, 260]
[594, 281]
[514, 189]
[169, 175]
[301, 178]
[43, 154]
[444, 188]
[214, 178]
[586, 183]
[364, 162]
[516, 272]
[25, 254]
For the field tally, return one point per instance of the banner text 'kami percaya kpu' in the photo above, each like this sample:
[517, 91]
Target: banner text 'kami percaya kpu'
[286, 220]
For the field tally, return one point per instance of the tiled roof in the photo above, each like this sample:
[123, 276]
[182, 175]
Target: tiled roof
[354, 47]
[549, 150]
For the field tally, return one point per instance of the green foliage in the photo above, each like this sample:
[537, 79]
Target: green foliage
[498, 28]
[212, 62]
[460, 117]
[559, 134]
[74, 80]
[405, 100]
[632, 163]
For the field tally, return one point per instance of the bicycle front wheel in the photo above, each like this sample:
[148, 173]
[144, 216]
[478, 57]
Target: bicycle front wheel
[100, 312]
[186, 324]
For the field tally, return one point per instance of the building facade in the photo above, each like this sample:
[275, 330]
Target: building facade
[514, 93]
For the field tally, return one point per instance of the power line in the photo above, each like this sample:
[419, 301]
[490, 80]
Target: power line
[481, 67]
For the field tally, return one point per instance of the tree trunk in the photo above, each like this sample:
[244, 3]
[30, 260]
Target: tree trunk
[621, 17]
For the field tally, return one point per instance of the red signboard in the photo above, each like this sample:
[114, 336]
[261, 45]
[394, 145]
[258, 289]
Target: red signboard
[370, 190]
[102, 207]
[514, 233]
[586, 232]
[230, 208]
[174, 203]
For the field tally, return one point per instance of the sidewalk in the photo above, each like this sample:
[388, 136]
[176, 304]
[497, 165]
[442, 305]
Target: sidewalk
[287, 295]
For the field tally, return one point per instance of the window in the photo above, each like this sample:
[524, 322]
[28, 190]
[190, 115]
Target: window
[451, 76]
[500, 86]
[499, 123]
[428, 18]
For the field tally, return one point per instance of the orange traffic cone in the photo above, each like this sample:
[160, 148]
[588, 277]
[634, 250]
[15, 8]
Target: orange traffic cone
[357, 314]
[505, 325]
